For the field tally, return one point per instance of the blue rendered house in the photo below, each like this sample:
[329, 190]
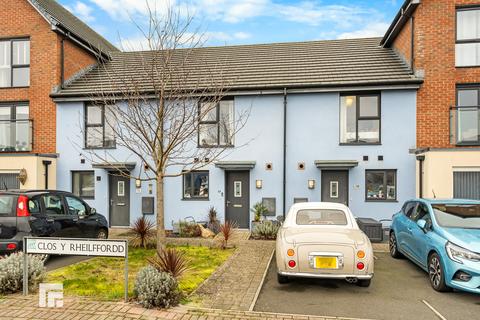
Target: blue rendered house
[328, 121]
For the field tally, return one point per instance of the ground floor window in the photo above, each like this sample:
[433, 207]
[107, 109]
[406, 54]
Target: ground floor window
[195, 185]
[381, 185]
[9, 181]
[83, 184]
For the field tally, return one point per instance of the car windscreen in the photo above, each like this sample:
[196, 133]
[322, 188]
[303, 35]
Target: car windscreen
[6, 205]
[321, 217]
[457, 215]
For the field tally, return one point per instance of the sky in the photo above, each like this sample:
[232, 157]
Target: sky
[230, 22]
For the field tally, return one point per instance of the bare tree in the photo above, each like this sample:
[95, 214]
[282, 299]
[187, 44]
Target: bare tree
[166, 106]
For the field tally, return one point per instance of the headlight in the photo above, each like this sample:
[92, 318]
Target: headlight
[458, 254]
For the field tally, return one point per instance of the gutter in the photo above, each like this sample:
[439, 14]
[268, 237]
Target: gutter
[399, 21]
[420, 159]
[274, 90]
[100, 54]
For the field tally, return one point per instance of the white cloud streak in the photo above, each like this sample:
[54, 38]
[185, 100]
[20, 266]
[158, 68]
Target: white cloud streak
[82, 10]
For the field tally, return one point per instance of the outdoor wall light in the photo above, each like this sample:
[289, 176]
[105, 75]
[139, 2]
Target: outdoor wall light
[138, 183]
[259, 184]
[311, 184]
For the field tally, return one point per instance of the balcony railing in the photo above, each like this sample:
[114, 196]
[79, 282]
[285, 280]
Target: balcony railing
[16, 135]
[465, 125]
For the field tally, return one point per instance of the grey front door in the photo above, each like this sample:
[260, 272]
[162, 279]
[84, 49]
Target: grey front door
[237, 200]
[335, 186]
[119, 201]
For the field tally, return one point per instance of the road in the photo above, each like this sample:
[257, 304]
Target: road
[397, 292]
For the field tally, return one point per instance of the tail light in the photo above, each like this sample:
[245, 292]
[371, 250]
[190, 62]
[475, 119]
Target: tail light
[290, 252]
[360, 266]
[361, 254]
[292, 264]
[22, 206]
[11, 246]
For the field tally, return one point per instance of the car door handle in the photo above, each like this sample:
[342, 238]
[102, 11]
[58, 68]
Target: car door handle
[75, 219]
[50, 220]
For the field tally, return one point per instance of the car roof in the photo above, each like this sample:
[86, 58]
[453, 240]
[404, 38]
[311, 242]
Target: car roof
[319, 205]
[447, 201]
[31, 191]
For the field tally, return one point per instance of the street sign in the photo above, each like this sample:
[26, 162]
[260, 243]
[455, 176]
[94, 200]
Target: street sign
[77, 247]
[74, 247]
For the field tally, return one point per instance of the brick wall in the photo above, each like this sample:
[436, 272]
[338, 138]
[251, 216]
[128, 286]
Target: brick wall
[76, 59]
[435, 54]
[20, 19]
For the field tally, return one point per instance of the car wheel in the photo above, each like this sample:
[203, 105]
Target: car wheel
[393, 246]
[364, 283]
[436, 274]
[102, 234]
[282, 279]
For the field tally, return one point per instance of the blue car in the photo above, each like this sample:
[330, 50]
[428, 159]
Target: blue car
[443, 238]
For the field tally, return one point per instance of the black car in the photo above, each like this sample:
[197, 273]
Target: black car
[46, 213]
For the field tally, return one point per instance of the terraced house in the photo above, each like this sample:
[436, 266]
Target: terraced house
[440, 41]
[42, 46]
[328, 120]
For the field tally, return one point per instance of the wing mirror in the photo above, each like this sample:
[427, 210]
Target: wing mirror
[422, 224]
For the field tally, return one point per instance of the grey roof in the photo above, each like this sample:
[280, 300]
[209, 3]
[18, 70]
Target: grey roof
[60, 17]
[330, 63]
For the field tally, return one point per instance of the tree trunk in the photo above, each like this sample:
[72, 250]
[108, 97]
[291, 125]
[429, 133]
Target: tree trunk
[161, 237]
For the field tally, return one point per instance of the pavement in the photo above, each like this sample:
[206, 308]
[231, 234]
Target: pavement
[236, 284]
[399, 290]
[17, 307]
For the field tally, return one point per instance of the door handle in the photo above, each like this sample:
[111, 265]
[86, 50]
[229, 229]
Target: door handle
[75, 219]
[228, 203]
[111, 202]
[50, 220]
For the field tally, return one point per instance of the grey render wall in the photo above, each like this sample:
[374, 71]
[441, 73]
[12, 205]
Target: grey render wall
[313, 134]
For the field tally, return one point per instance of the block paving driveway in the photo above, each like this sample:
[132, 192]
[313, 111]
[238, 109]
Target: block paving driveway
[399, 290]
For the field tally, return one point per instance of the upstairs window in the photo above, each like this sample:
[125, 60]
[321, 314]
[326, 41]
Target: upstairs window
[14, 63]
[99, 133]
[360, 119]
[15, 127]
[467, 48]
[216, 126]
[465, 116]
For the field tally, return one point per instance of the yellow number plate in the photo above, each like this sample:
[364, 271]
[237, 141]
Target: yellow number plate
[325, 262]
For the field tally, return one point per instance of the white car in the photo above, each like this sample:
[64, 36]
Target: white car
[322, 240]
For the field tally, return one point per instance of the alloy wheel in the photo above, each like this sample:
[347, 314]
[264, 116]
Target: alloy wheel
[101, 234]
[393, 244]
[435, 272]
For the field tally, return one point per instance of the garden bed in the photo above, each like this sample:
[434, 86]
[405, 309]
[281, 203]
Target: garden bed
[103, 278]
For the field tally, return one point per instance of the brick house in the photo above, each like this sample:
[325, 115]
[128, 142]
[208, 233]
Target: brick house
[440, 41]
[42, 45]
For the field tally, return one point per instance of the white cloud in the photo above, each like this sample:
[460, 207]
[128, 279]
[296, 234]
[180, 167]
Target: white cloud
[82, 10]
[140, 43]
[374, 29]
[128, 9]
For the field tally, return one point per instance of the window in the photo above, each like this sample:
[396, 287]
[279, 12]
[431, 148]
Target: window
[467, 116]
[381, 185]
[408, 208]
[15, 127]
[321, 217]
[83, 184]
[462, 215]
[467, 48]
[14, 63]
[195, 185]
[53, 204]
[76, 207]
[99, 133]
[216, 126]
[360, 119]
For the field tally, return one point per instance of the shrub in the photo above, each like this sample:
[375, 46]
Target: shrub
[266, 230]
[143, 232]
[259, 209]
[156, 289]
[171, 261]
[213, 223]
[227, 229]
[11, 272]
[189, 229]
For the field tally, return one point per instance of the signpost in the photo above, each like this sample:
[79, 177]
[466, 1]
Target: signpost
[74, 247]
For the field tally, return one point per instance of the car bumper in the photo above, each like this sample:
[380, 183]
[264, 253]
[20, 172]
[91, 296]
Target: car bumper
[471, 268]
[5, 244]
[325, 276]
